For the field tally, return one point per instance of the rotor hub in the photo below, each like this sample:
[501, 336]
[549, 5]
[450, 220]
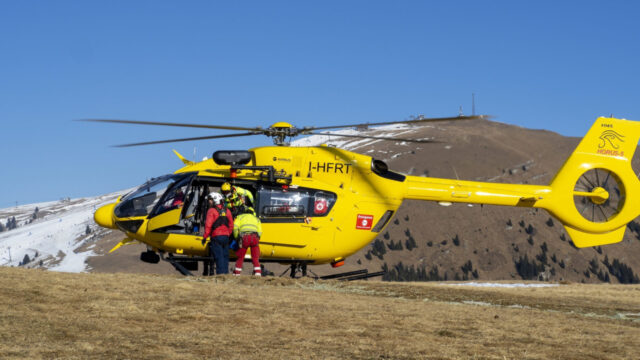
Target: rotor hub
[599, 195]
[280, 131]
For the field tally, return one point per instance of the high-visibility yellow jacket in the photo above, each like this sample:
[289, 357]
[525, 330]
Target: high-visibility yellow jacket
[236, 193]
[246, 223]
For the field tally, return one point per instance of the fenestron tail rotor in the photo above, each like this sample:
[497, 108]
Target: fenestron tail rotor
[280, 131]
[598, 195]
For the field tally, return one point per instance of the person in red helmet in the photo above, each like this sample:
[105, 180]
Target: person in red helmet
[218, 228]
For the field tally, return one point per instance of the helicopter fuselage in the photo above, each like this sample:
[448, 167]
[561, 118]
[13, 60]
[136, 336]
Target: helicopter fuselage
[321, 204]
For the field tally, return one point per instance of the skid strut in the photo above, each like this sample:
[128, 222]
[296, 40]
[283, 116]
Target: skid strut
[301, 268]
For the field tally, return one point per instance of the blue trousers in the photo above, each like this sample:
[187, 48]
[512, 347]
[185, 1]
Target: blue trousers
[219, 246]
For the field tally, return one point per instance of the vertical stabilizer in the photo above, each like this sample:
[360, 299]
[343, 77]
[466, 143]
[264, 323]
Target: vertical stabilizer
[596, 192]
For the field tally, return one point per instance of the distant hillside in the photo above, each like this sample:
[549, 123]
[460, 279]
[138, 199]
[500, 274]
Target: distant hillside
[424, 241]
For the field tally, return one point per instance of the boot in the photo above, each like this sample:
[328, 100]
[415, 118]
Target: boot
[257, 271]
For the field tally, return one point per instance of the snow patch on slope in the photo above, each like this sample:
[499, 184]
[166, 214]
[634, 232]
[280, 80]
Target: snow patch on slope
[56, 237]
[332, 138]
[504, 285]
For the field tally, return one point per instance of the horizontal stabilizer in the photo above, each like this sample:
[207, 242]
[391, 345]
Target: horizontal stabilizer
[582, 239]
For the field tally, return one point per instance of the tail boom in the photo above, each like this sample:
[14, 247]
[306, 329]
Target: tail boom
[446, 190]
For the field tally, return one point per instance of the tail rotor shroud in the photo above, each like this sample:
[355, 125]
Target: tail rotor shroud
[599, 195]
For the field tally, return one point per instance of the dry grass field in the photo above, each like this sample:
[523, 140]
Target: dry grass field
[123, 316]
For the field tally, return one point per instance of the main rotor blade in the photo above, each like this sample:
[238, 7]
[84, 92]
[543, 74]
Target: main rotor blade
[398, 122]
[375, 137]
[173, 124]
[187, 139]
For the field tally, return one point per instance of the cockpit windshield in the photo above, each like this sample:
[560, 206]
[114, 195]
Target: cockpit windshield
[142, 201]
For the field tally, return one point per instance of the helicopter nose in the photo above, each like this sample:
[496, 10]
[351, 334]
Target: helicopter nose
[104, 216]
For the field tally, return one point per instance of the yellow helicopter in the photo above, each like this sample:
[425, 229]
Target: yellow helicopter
[321, 204]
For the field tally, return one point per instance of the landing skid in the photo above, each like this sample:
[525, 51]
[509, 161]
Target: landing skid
[299, 270]
[353, 275]
[185, 264]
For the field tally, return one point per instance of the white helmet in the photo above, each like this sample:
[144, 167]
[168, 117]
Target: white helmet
[216, 197]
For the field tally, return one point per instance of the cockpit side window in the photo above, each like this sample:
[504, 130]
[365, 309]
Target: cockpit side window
[142, 201]
[174, 197]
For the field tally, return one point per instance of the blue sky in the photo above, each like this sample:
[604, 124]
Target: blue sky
[538, 64]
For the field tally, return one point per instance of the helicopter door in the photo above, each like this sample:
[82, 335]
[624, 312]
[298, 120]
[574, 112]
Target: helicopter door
[167, 213]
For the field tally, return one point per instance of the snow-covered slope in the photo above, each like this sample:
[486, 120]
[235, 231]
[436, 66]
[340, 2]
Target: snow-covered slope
[53, 238]
[333, 139]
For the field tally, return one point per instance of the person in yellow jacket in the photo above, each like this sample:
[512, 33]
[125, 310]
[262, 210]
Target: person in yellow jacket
[235, 197]
[247, 230]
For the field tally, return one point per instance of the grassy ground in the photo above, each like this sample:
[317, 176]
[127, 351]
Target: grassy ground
[56, 315]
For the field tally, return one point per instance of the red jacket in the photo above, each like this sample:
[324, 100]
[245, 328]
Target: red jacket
[222, 230]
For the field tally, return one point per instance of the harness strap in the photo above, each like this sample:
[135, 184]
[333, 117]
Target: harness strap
[222, 220]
